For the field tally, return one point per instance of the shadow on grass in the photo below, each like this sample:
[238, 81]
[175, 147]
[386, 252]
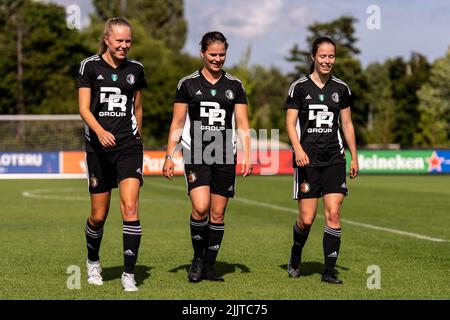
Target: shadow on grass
[309, 268]
[222, 268]
[112, 273]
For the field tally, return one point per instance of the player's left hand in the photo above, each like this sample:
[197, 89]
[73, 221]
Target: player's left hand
[247, 169]
[354, 169]
[168, 169]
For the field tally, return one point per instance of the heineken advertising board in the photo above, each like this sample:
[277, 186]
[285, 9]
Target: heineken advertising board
[403, 161]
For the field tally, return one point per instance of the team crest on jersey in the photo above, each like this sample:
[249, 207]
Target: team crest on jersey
[192, 176]
[321, 97]
[335, 97]
[305, 187]
[213, 92]
[93, 181]
[131, 78]
[229, 94]
[114, 77]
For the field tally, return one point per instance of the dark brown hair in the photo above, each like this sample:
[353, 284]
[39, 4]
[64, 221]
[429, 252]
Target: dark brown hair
[211, 37]
[315, 47]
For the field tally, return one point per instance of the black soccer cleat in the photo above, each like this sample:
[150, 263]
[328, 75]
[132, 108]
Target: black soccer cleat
[330, 277]
[209, 273]
[195, 270]
[293, 269]
[293, 266]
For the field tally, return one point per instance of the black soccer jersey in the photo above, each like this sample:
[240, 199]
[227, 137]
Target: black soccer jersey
[318, 118]
[209, 135]
[112, 99]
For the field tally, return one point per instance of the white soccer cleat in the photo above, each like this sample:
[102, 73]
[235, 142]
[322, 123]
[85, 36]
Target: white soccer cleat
[94, 273]
[128, 282]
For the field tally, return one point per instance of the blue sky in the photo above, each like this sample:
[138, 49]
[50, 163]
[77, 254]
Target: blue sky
[271, 27]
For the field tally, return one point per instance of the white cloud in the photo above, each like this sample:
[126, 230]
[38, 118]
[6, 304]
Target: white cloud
[247, 19]
[300, 14]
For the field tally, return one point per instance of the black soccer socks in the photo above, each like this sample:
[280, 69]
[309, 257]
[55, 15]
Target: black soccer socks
[131, 240]
[216, 231]
[93, 239]
[331, 245]
[199, 236]
[300, 237]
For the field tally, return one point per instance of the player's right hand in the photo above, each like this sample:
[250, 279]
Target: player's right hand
[107, 139]
[168, 169]
[301, 158]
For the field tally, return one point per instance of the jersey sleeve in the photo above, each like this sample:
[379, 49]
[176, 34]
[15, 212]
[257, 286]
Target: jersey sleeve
[85, 76]
[294, 99]
[182, 94]
[141, 83]
[346, 98]
[241, 96]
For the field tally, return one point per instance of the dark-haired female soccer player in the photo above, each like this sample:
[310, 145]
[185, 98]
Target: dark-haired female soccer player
[207, 106]
[318, 105]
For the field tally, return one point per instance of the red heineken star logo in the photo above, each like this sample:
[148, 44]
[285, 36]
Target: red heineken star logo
[434, 162]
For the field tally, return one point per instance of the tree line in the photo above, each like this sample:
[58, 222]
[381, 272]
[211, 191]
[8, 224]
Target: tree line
[399, 101]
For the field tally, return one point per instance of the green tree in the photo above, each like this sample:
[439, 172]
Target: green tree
[434, 107]
[406, 78]
[381, 118]
[269, 94]
[347, 66]
[162, 19]
[39, 59]
[242, 71]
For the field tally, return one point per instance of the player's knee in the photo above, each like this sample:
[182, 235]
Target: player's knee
[95, 221]
[305, 223]
[216, 217]
[332, 217]
[129, 209]
[200, 211]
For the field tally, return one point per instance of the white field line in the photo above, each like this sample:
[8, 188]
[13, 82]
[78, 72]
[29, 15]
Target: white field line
[50, 194]
[295, 211]
[359, 224]
[56, 194]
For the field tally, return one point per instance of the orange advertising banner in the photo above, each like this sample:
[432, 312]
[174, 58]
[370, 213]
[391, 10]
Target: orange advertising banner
[73, 162]
[154, 160]
[267, 163]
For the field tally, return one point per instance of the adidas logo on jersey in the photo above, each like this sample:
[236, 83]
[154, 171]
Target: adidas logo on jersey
[100, 77]
[308, 97]
[198, 93]
[333, 254]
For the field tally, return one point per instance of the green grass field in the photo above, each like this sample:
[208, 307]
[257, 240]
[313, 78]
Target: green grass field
[393, 222]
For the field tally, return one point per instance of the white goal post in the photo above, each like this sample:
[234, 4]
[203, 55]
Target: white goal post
[31, 145]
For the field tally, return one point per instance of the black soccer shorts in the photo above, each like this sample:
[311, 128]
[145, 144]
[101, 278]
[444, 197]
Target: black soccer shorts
[221, 178]
[315, 182]
[106, 169]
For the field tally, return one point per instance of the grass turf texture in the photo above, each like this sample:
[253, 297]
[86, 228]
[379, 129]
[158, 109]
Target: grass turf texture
[42, 234]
